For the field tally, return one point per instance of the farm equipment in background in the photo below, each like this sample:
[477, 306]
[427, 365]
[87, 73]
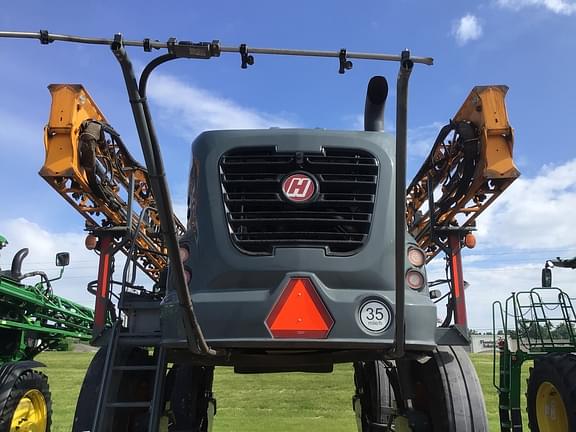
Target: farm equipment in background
[303, 248]
[32, 319]
[538, 325]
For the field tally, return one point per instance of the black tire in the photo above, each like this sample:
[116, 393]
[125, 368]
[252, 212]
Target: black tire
[29, 381]
[559, 371]
[134, 386]
[448, 392]
[86, 403]
[190, 398]
[374, 392]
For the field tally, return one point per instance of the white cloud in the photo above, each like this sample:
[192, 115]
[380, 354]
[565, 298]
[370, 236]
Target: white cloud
[562, 7]
[497, 283]
[197, 109]
[467, 29]
[534, 212]
[43, 246]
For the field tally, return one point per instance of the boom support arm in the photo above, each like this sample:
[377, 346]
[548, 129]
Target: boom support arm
[469, 166]
[88, 164]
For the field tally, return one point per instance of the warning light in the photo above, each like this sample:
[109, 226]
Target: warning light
[470, 240]
[299, 312]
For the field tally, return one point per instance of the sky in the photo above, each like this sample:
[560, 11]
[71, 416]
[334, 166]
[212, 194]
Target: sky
[528, 45]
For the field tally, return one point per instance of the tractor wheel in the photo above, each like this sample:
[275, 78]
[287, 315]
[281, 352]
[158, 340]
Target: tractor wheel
[551, 394]
[133, 386]
[374, 396]
[448, 392]
[447, 396]
[191, 400]
[29, 405]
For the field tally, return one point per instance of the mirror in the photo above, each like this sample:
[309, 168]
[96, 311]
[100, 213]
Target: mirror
[62, 259]
[546, 277]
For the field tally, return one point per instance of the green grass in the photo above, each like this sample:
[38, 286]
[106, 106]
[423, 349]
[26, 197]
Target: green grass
[287, 402]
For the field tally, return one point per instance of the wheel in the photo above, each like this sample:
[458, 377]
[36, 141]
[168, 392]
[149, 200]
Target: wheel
[551, 394]
[29, 405]
[134, 386]
[445, 394]
[191, 400]
[448, 392]
[374, 396]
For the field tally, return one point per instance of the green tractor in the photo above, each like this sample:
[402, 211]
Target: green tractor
[32, 320]
[539, 325]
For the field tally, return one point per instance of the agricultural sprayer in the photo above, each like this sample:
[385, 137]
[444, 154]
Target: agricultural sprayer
[302, 248]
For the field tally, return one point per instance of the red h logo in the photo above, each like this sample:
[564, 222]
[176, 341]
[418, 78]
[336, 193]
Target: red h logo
[298, 188]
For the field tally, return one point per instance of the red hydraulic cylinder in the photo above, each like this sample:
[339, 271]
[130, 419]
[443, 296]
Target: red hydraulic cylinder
[457, 277]
[103, 286]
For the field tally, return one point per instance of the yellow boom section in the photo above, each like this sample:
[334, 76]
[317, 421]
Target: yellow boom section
[469, 166]
[87, 164]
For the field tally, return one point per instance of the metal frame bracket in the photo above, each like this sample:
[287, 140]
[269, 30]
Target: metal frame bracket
[195, 50]
[45, 37]
[246, 58]
[345, 64]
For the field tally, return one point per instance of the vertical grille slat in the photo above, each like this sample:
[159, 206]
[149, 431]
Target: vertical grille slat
[261, 219]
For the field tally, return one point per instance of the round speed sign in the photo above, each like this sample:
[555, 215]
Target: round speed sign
[374, 316]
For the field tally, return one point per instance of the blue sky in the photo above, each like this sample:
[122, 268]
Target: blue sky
[529, 45]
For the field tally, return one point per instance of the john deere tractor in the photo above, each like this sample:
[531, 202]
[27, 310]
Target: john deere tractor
[539, 325]
[302, 248]
[32, 320]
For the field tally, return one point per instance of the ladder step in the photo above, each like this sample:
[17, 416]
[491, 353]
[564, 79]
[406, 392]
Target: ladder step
[142, 339]
[128, 405]
[136, 368]
[140, 305]
[142, 335]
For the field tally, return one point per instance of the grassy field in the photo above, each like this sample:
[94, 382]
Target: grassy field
[287, 402]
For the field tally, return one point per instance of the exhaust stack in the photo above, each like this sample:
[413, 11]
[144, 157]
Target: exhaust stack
[376, 95]
[16, 269]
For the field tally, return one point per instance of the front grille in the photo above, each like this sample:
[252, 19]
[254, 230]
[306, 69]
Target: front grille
[261, 219]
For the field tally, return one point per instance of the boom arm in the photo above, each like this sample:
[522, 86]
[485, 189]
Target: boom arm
[87, 163]
[469, 166]
[31, 312]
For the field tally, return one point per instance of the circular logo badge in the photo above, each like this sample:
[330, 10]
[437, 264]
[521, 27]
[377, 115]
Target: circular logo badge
[299, 187]
[374, 316]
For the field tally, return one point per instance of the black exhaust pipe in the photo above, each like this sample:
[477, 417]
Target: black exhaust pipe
[16, 269]
[376, 95]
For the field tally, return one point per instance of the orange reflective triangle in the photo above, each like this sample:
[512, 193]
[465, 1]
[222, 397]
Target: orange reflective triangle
[300, 312]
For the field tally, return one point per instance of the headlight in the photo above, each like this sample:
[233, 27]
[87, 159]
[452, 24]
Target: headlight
[416, 257]
[414, 279]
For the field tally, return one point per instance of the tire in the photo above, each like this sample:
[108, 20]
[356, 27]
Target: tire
[448, 392]
[29, 404]
[191, 397]
[373, 393]
[551, 394]
[447, 396]
[134, 386]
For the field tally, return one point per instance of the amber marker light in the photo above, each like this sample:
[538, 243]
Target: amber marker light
[91, 242]
[470, 240]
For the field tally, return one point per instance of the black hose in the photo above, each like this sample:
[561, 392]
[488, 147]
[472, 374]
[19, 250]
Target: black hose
[156, 173]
